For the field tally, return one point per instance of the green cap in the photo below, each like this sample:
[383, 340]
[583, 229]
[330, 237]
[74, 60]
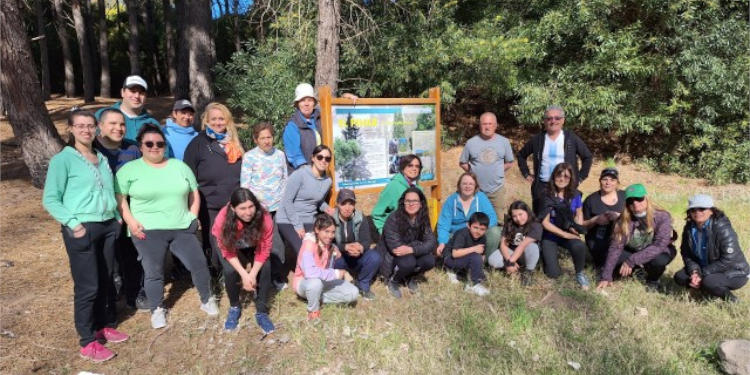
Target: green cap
[635, 191]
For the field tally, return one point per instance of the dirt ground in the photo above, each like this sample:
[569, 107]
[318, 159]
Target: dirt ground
[36, 293]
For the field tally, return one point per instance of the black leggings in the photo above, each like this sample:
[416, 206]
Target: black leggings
[290, 236]
[654, 268]
[233, 281]
[551, 264]
[410, 265]
[715, 284]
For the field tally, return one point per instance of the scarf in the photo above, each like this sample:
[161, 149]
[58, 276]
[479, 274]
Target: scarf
[225, 140]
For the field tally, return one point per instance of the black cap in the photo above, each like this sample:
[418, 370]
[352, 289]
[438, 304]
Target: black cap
[611, 172]
[345, 195]
[182, 104]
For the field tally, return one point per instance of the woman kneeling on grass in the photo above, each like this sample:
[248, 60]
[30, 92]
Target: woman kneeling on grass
[244, 233]
[711, 251]
[79, 194]
[314, 277]
[642, 238]
[520, 237]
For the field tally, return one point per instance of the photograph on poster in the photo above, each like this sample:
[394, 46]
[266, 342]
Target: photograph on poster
[368, 142]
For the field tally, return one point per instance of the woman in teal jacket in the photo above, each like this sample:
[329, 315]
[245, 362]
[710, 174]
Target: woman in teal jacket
[410, 168]
[79, 194]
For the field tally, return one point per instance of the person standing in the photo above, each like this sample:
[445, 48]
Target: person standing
[133, 106]
[303, 131]
[179, 128]
[410, 168]
[79, 194]
[550, 148]
[488, 155]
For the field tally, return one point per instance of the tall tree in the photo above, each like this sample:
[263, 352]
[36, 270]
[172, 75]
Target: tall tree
[202, 55]
[44, 55]
[84, 51]
[236, 21]
[152, 52]
[327, 51]
[182, 60]
[19, 86]
[134, 48]
[62, 34]
[169, 44]
[105, 79]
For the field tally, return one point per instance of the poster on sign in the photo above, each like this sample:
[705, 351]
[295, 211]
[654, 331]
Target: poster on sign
[369, 141]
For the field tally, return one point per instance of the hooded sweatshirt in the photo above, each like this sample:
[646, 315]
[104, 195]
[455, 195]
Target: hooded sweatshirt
[452, 217]
[178, 137]
[132, 124]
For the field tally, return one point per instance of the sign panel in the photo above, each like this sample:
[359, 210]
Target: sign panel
[369, 141]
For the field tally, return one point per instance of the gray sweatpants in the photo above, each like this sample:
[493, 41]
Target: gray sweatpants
[184, 244]
[332, 291]
[530, 257]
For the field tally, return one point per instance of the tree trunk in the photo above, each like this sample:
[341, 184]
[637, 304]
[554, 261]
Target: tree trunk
[237, 41]
[105, 90]
[152, 50]
[84, 51]
[327, 51]
[43, 54]
[202, 54]
[182, 62]
[133, 44]
[19, 86]
[170, 46]
[62, 34]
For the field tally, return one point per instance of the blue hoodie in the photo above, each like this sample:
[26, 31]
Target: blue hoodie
[132, 124]
[452, 217]
[178, 138]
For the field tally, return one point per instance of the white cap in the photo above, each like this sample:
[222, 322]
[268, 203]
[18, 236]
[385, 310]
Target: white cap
[302, 91]
[135, 81]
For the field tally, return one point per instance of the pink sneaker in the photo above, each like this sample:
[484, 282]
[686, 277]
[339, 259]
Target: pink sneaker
[111, 335]
[96, 352]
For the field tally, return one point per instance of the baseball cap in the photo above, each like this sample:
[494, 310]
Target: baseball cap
[700, 201]
[345, 195]
[182, 104]
[610, 172]
[635, 191]
[135, 81]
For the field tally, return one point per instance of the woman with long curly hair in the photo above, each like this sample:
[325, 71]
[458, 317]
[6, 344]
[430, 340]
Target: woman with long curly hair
[243, 231]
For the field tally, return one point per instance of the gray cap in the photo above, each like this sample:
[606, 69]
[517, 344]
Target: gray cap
[700, 201]
[345, 195]
[182, 104]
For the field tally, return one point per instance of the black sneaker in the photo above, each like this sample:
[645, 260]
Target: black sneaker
[367, 295]
[393, 287]
[652, 286]
[731, 298]
[527, 278]
[141, 302]
[412, 285]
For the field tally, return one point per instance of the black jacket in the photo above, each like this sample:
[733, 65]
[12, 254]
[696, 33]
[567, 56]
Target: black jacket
[723, 248]
[422, 241]
[216, 178]
[574, 147]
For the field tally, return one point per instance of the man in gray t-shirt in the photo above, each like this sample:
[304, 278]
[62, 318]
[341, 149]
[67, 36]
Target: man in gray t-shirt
[489, 155]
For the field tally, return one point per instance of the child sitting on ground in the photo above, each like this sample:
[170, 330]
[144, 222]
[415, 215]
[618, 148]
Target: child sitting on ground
[464, 252]
[519, 242]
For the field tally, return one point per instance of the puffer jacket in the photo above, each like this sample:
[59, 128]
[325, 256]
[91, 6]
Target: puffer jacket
[723, 250]
[422, 241]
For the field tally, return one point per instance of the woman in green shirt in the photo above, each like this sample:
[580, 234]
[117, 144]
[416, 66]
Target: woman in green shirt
[161, 216]
[79, 194]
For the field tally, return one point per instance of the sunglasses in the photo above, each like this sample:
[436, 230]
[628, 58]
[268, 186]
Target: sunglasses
[412, 202]
[150, 144]
[556, 118]
[631, 200]
[696, 209]
[321, 157]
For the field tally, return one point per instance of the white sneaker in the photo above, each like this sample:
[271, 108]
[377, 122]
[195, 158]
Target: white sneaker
[158, 318]
[280, 285]
[452, 277]
[477, 289]
[210, 307]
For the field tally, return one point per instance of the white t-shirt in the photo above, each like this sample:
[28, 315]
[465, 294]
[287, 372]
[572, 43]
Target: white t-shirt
[552, 155]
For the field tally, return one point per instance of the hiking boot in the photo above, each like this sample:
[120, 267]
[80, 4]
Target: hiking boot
[731, 298]
[527, 278]
[452, 277]
[233, 318]
[413, 285]
[111, 335]
[583, 281]
[265, 324]
[313, 316]
[158, 318]
[367, 294]
[393, 288]
[652, 286]
[141, 302]
[210, 307]
[477, 289]
[96, 352]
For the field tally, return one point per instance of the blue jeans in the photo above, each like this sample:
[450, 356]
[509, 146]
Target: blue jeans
[364, 266]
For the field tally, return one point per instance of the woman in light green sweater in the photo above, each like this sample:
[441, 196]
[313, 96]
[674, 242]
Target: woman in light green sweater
[79, 193]
[410, 168]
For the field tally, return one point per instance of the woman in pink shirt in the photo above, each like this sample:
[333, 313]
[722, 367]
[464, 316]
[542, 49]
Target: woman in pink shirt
[314, 277]
[244, 231]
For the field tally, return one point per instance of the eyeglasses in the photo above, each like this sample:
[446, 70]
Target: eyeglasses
[556, 118]
[696, 209]
[563, 176]
[84, 127]
[412, 202]
[159, 144]
[321, 157]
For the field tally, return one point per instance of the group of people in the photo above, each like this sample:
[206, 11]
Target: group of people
[128, 191]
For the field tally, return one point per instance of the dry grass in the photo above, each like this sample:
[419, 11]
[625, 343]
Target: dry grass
[515, 330]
